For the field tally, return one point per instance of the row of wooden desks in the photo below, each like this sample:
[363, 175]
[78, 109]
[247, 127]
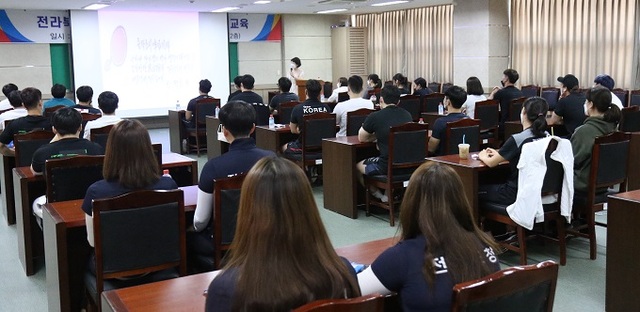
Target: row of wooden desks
[186, 293]
[27, 187]
[67, 250]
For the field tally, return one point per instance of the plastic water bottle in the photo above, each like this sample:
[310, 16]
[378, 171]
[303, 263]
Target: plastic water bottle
[165, 173]
[178, 105]
[272, 122]
[440, 109]
[217, 111]
[421, 121]
[374, 98]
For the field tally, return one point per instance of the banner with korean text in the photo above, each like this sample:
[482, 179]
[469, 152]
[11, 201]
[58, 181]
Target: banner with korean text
[255, 27]
[35, 26]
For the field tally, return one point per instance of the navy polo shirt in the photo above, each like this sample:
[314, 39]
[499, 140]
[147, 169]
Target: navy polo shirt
[242, 155]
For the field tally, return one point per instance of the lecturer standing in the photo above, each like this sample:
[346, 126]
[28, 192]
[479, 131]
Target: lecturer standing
[295, 73]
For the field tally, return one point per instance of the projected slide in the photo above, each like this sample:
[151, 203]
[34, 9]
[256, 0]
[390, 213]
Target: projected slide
[151, 57]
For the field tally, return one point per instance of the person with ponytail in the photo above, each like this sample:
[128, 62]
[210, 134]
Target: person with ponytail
[402, 83]
[440, 244]
[602, 119]
[534, 123]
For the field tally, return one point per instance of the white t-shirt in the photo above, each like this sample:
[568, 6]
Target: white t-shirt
[103, 121]
[11, 115]
[5, 104]
[616, 100]
[343, 108]
[336, 92]
[294, 88]
[470, 104]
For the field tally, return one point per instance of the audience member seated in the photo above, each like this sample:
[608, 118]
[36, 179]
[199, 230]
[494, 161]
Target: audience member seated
[58, 92]
[284, 85]
[6, 90]
[421, 87]
[603, 119]
[190, 114]
[32, 101]
[18, 110]
[310, 106]
[108, 103]
[400, 81]
[373, 82]
[440, 245]
[85, 97]
[66, 124]
[236, 82]
[355, 102]
[238, 122]
[475, 93]
[506, 93]
[247, 95]
[454, 97]
[376, 129]
[129, 165]
[534, 124]
[340, 88]
[569, 110]
[281, 257]
[608, 82]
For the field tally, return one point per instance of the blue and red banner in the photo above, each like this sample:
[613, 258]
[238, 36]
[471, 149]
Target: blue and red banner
[255, 27]
[35, 26]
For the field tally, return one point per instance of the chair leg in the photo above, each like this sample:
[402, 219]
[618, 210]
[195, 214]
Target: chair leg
[391, 205]
[367, 199]
[522, 241]
[562, 240]
[198, 145]
[591, 226]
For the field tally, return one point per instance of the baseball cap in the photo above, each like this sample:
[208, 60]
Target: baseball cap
[605, 80]
[569, 81]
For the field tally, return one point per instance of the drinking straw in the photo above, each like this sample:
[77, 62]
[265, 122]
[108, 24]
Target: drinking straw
[463, 136]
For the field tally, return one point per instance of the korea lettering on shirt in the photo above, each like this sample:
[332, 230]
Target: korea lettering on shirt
[311, 110]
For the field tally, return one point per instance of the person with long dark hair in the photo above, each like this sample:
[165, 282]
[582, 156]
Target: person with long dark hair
[603, 118]
[281, 257]
[129, 165]
[440, 244]
[400, 81]
[534, 124]
[475, 93]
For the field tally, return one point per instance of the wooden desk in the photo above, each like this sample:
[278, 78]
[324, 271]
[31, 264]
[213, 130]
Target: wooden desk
[215, 147]
[622, 267]
[28, 187]
[177, 131]
[6, 188]
[183, 170]
[341, 187]
[468, 170]
[272, 139]
[67, 250]
[185, 293]
[633, 168]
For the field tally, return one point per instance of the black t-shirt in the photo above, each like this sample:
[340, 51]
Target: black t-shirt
[571, 109]
[511, 151]
[307, 107]
[439, 129]
[283, 98]
[90, 109]
[422, 92]
[233, 94]
[379, 123]
[24, 125]
[505, 96]
[62, 149]
[249, 97]
[192, 104]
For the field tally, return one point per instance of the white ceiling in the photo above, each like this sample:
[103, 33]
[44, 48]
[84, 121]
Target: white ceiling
[247, 6]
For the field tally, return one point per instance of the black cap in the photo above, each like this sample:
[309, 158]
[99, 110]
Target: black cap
[569, 81]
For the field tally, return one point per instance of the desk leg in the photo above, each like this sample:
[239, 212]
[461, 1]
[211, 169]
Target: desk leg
[30, 244]
[8, 207]
[633, 168]
[66, 257]
[339, 180]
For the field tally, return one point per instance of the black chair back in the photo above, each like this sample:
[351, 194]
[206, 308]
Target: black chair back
[284, 111]
[610, 165]
[431, 102]
[69, 178]
[434, 86]
[262, 113]
[446, 86]
[529, 288]
[205, 107]
[100, 135]
[634, 98]
[318, 126]
[630, 121]
[530, 91]
[623, 95]
[408, 142]
[411, 103]
[469, 129]
[551, 95]
[50, 110]
[26, 145]
[488, 114]
[226, 201]
[343, 96]
[515, 109]
[355, 120]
